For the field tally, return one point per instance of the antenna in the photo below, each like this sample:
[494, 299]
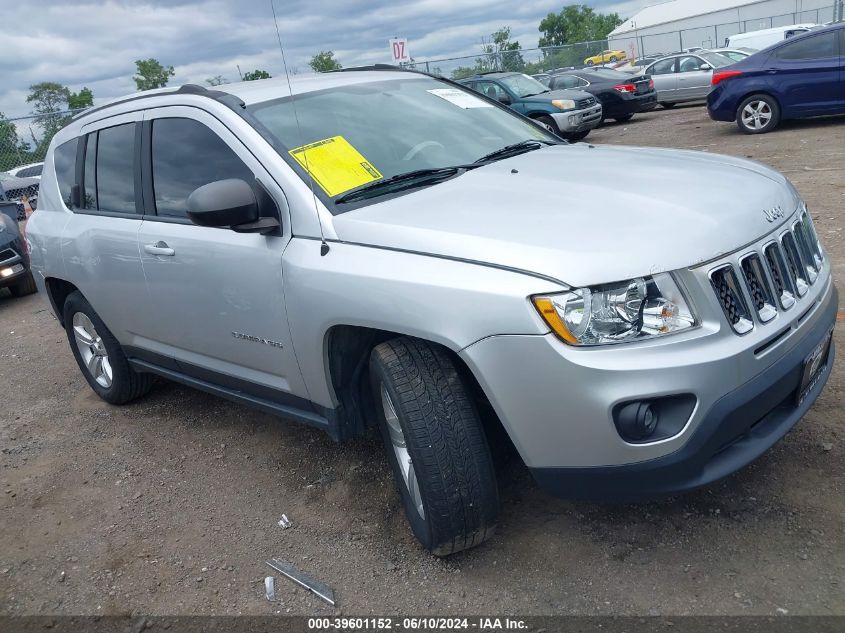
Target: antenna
[324, 246]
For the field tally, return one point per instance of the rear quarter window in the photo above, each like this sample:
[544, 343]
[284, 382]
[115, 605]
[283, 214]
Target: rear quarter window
[64, 162]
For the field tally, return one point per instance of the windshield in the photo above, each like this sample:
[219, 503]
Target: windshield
[354, 135]
[716, 59]
[523, 85]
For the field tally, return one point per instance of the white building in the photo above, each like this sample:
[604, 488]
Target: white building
[679, 24]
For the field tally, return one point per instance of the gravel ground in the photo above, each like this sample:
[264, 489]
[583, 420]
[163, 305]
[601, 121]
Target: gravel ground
[169, 505]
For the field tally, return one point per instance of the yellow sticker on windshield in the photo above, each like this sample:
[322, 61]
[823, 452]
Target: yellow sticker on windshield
[335, 165]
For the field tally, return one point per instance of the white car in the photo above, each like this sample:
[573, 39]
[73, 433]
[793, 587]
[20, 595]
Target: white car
[766, 37]
[31, 170]
[736, 54]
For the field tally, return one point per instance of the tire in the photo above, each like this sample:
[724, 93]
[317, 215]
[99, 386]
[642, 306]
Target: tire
[590, 62]
[124, 383]
[577, 136]
[25, 286]
[449, 493]
[668, 105]
[549, 122]
[758, 114]
[614, 58]
[624, 118]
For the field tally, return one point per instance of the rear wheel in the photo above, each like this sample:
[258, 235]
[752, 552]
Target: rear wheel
[614, 58]
[624, 117]
[667, 104]
[99, 355]
[25, 286]
[435, 445]
[590, 62]
[758, 114]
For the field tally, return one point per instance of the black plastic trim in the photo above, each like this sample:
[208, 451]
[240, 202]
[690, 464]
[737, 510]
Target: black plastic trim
[267, 399]
[738, 429]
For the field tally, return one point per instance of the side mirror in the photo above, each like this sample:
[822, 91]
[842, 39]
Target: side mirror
[228, 203]
[705, 67]
[505, 99]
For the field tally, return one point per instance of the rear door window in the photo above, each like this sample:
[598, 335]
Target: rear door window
[187, 155]
[115, 170]
[64, 162]
[663, 67]
[820, 46]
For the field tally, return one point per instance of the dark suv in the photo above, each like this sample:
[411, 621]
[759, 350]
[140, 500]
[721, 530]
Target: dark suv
[569, 113]
[14, 260]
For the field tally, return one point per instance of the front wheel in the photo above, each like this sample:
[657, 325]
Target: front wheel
[614, 58]
[758, 114]
[667, 104]
[25, 286]
[550, 124]
[577, 136]
[590, 62]
[624, 118]
[435, 445]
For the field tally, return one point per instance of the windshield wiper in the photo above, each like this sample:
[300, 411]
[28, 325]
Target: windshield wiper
[515, 149]
[400, 182]
[534, 94]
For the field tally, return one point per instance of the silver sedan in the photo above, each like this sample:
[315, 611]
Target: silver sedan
[685, 76]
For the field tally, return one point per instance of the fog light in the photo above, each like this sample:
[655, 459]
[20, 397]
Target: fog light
[6, 272]
[637, 421]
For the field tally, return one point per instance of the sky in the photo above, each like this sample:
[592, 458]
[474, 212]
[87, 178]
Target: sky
[94, 44]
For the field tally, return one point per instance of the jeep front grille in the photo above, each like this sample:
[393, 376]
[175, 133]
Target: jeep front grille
[727, 288]
[771, 280]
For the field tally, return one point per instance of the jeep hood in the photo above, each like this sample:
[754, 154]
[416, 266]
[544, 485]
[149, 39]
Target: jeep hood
[558, 212]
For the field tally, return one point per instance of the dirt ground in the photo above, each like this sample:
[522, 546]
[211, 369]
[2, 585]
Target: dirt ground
[170, 505]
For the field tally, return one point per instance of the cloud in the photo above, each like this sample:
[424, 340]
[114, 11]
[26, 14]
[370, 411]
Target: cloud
[94, 44]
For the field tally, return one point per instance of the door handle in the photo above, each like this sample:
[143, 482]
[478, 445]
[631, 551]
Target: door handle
[159, 248]
[771, 71]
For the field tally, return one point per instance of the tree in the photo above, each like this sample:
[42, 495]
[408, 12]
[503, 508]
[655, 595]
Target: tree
[216, 80]
[151, 74]
[79, 100]
[13, 151]
[576, 23]
[502, 53]
[323, 62]
[50, 100]
[256, 74]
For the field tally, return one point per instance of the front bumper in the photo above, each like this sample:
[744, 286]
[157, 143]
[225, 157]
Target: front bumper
[578, 120]
[738, 428]
[12, 265]
[556, 401]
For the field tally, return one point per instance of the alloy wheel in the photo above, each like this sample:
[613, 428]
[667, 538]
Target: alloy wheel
[400, 449]
[92, 350]
[756, 115]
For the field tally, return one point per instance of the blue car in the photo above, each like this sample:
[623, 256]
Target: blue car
[801, 77]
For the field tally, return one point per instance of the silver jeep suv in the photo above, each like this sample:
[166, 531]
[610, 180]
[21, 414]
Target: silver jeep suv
[384, 248]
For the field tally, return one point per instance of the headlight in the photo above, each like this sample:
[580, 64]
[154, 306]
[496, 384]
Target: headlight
[632, 310]
[2, 225]
[564, 104]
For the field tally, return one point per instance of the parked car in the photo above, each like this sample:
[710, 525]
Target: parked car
[32, 170]
[570, 113]
[543, 78]
[766, 37]
[426, 268]
[801, 77]
[605, 57]
[14, 189]
[14, 260]
[685, 76]
[635, 66]
[621, 95]
[736, 54]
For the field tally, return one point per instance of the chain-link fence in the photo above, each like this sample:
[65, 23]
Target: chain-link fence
[23, 146]
[646, 43]
[634, 44]
[528, 60]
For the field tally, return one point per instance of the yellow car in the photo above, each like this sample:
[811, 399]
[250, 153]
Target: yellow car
[605, 57]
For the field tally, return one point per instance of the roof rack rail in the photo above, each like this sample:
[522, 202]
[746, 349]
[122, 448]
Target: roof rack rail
[227, 99]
